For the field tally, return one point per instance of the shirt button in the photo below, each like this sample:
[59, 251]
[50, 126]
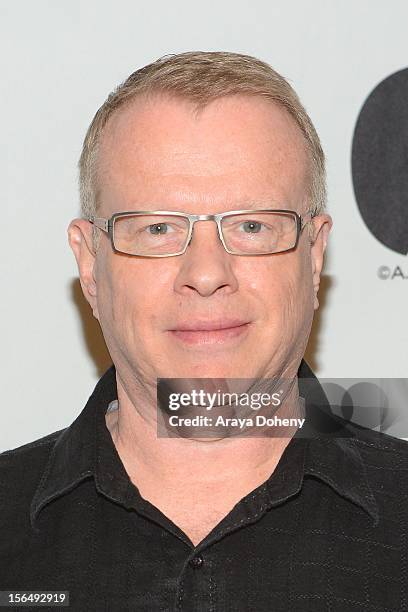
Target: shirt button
[196, 562]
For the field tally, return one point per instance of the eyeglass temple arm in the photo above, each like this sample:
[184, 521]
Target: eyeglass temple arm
[100, 222]
[305, 219]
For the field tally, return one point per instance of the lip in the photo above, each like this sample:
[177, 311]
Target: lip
[214, 325]
[210, 332]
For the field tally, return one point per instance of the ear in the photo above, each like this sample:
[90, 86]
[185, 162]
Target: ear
[322, 225]
[80, 240]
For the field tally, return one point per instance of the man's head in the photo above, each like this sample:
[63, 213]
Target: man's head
[202, 77]
[202, 133]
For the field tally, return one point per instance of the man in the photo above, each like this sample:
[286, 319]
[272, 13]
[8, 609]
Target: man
[185, 285]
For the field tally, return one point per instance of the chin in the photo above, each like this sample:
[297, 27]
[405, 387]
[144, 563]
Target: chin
[208, 369]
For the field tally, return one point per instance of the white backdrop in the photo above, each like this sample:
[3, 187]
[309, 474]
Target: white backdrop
[60, 60]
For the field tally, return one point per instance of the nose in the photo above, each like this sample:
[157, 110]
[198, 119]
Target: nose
[205, 268]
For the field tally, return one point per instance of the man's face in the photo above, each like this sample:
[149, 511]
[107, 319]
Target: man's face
[162, 317]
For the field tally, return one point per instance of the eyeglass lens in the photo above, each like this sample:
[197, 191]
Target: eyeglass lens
[252, 233]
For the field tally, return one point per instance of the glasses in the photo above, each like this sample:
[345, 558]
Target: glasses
[163, 233]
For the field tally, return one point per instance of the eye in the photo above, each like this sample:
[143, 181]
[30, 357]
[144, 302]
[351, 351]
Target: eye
[252, 227]
[159, 228]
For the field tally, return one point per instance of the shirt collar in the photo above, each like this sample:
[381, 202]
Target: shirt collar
[86, 450]
[78, 451]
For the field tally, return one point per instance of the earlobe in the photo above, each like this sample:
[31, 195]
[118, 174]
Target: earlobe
[80, 240]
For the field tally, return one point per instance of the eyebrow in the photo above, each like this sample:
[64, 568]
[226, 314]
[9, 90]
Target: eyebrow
[238, 205]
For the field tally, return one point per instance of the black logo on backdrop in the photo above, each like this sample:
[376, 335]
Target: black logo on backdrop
[380, 162]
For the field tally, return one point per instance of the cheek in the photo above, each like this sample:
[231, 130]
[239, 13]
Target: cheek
[280, 279]
[283, 288]
[130, 292]
[300, 292]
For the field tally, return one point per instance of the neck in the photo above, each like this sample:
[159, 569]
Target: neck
[192, 462]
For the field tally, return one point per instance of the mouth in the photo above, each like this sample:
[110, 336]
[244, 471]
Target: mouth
[210, 332]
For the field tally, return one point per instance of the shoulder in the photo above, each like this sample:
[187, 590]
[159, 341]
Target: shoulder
[372, 442]
[385, 458]
[26, 451]
[21, 468]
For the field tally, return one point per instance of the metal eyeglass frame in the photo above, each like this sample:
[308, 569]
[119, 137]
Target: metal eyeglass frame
[108, 226]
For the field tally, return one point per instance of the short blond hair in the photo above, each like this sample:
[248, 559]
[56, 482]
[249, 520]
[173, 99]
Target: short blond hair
[201, 77]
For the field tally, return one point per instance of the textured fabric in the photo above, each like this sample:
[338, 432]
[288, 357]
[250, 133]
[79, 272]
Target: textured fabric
[326, 532]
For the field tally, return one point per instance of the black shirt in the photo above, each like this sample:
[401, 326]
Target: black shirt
[326, 532]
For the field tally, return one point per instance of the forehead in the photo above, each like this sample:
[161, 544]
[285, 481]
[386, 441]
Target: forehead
[237, 150]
